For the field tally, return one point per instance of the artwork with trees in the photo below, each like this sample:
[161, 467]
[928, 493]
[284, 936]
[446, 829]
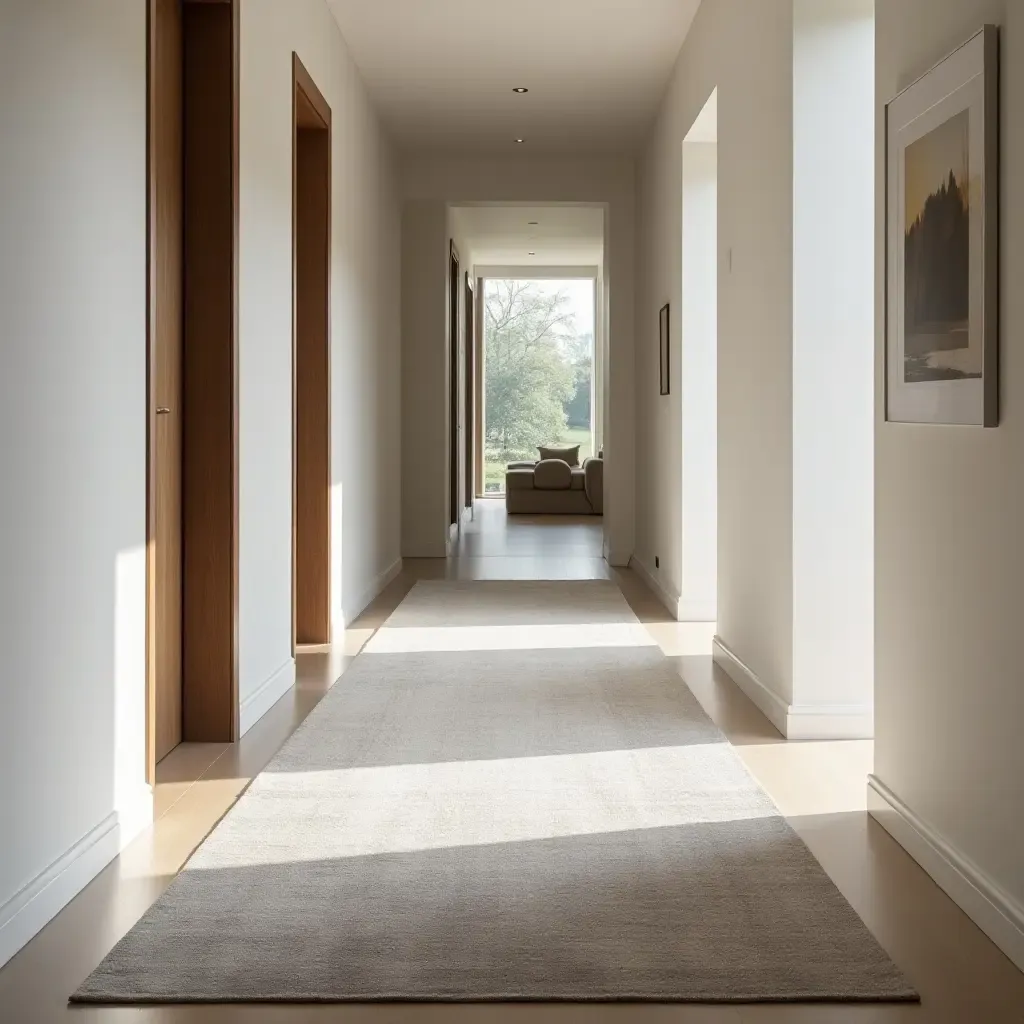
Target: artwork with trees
[936, 312]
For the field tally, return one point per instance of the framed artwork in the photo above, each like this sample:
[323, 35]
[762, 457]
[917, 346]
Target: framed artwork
[663, 349]
[942, 249]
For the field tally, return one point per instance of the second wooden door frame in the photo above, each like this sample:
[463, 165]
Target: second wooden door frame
[213, 713]
[310, 110]
[454, 462]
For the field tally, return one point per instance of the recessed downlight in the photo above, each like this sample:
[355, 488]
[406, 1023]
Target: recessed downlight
[532, 223]
[520, 89]
[531, 254]
[520, 141]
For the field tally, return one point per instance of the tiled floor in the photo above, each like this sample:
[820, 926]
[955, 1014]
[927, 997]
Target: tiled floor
[962, 977]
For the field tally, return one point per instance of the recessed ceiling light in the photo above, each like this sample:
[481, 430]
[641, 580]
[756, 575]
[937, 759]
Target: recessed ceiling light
[532, 223]
[520, 89]
[520, 141]
[531, 254]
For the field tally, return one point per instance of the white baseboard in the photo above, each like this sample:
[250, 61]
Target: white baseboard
[620, 559]
[30, 909]
[830, 722]
[796, 721]
[772, 706]
[267, 694]
[989, 906]
[382, 579]
[668, 597]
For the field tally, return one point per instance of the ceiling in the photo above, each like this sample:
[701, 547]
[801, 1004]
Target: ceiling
[441, 72]
[567, 236]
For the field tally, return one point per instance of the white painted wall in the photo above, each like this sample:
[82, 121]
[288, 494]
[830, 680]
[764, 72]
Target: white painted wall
[72, 448]
[949, 574]
[745, 50]
[697, 380]
[431, 181]
[833, 359]
[365, 334]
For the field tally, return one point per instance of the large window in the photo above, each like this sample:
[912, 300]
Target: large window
[538, 370]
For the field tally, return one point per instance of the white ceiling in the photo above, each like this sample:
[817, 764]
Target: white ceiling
[566, 236]
[441, 72]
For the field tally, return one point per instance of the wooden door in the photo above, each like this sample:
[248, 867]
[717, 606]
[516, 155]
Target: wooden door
[311, 263]
[454, 284]
[165, 395]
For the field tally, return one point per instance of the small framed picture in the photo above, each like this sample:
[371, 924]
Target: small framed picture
[942, 249]
[663, 349]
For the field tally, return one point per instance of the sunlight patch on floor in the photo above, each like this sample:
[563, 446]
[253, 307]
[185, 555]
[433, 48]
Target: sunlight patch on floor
[406, 808]
[409, 639]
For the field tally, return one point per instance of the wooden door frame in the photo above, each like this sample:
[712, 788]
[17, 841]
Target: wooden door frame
[302, 83]
[227, 729]
[454, 462]
[469, 433]
[150, 393]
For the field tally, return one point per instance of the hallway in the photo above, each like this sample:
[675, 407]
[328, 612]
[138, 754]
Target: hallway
[818, 786]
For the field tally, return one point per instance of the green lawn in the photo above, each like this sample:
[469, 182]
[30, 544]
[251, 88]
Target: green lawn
[494, 472]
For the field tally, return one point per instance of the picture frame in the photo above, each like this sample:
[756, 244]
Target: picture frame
[664, 339]
[942, 247]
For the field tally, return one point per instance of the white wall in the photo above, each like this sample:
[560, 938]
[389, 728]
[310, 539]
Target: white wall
[833, 358]
[72, 447]
[696, 578]
[745, 50]
[949, 586]
[430, 181]
[365, 335]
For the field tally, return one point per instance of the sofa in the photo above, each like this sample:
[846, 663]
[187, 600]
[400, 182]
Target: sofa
[553, 486]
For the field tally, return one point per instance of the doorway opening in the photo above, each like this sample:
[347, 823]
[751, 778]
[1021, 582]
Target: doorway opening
[192, 409]
[538, 370]
[698, 572]
[311, 427]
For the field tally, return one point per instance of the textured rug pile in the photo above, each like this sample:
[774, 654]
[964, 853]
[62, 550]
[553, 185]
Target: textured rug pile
[510, 795]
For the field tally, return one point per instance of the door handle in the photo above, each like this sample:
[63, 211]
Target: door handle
[162, 411]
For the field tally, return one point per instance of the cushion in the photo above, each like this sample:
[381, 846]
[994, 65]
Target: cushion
[519, 480]
[552, 475]
[568, 455]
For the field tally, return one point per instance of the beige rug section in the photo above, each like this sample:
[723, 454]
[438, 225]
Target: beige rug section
[510, 795]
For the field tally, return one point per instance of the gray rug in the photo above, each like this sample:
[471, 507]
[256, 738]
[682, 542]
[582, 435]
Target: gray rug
[510, 795]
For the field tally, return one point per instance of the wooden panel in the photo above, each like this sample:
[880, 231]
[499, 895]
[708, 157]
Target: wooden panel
[312, 208]
[210, 506]
[454, 284]
[165, 411]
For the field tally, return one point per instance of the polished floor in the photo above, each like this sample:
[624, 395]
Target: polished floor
[820, 787]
